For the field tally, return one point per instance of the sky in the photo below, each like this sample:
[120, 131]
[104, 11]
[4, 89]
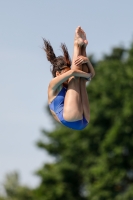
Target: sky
[25, 71]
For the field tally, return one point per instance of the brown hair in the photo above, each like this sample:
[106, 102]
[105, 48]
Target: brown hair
[59, 62]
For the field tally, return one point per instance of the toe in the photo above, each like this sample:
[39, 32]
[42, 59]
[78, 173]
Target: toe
[78, 28]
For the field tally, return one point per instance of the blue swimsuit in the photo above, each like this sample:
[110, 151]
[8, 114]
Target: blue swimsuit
[57, 106]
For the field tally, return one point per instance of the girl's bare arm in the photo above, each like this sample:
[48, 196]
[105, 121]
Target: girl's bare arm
[57, 81]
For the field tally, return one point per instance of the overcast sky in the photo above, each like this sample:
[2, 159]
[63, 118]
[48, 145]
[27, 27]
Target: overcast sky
[25, 72]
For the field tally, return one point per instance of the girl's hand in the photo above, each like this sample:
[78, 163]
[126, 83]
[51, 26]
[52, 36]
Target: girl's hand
[81, 60]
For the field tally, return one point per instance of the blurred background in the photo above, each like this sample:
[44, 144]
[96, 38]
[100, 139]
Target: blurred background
[25, 75]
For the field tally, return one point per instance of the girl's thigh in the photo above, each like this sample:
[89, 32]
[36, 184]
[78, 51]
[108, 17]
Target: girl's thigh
[73, 109]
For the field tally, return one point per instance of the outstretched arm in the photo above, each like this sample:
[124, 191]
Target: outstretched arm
[57, 81]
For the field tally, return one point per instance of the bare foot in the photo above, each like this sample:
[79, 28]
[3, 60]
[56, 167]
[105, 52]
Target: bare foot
[78, 36]
[84, 37]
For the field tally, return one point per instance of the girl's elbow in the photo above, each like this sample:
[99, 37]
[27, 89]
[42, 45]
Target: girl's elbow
[52, 85]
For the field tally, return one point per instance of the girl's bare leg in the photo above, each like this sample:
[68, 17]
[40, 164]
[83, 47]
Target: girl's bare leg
[76, 100]
[82, 81]
[73, 109]
[78, 43]
[88, 66]
[84, 99]
[83, 92]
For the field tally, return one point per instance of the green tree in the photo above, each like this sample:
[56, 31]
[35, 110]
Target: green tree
[14, 190]
[95, 163]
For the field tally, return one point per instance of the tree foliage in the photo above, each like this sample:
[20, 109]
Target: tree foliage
[14, 190]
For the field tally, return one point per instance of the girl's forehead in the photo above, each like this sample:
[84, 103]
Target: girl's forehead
[66, 69]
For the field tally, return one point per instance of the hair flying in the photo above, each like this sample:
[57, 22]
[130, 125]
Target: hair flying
[59, 62]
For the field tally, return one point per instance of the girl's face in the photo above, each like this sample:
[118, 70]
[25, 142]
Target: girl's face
[62, 71]
[65, 84]
[65, 70]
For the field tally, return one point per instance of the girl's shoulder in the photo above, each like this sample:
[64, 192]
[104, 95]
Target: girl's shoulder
[53, 93]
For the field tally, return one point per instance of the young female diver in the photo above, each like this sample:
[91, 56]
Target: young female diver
[67, 95]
